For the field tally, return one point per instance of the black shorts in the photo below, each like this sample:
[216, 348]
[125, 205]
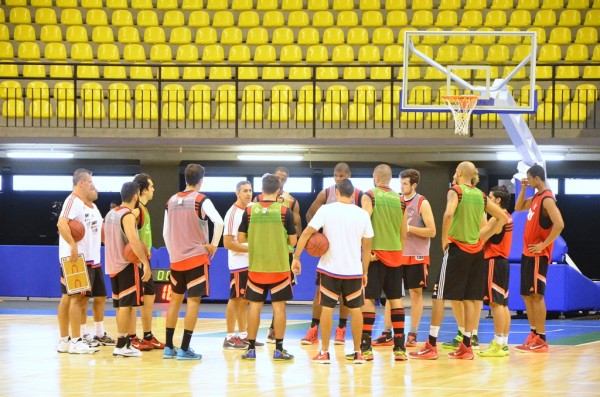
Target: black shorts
[533, 274]
[127, 287]
[237, 283]
[149, 287]
[462, 276]
[331, 288]
[383, 278]
[280, 291]
[415, 276]
[496, 286]
[96, 276]
[193, 281]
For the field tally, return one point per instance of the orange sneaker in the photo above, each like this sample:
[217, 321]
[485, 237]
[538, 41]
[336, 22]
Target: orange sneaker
[141, 344]
[321, 358]
[312, 336]
[340, 336]
[155, 343]
[411, 340]
[428, 352]
[537, 345]
[462, 353]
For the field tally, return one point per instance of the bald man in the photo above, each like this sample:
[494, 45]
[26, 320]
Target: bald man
[462, 276]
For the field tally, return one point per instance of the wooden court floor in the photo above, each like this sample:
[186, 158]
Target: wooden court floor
[30, 365]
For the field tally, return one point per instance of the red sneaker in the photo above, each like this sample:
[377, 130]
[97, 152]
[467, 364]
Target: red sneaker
[321, 358]
[340, 336]
[384, 340]
[525, 346]
[141, 344]
[312, 336]
[537, 345]
[428, 352]
[155, 343]
[411, 340]
[462, 353]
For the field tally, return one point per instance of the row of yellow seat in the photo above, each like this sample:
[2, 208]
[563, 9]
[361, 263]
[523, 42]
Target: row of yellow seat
[311, 5]
[299, 19]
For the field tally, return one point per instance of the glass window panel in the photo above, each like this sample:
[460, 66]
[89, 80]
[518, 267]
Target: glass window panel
[293, 185]
[220, 184]
[363, 183]
[582, 186]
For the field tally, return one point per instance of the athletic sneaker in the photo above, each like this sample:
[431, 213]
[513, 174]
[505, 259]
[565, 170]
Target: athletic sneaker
[427, 352]
[105, 340]
[141, 344]
[271, 336]
[322, 358]
[367, 353]
[454, 343]
[399, 354]
[411, 340]
[256, 343]
[312, 336]
[154, 343]
[505, 349]
[250, 354]
[188, 354]
[537, 345]
[282, 355]
[80, 347]
[63, 347]
[87, 338]
[494, 349]
[527, 342]
[462, 353]
[340, 336]
[126, 351]
[233, 343]
[169, 353]
[474, 342]
[384, 340]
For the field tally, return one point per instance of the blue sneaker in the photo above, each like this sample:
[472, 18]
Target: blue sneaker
[169, 353]
[282, 355]
[249, 354]
[188, 355]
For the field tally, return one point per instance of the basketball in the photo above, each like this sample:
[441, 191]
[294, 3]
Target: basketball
[130, 255]
[77, 230]
[317, 244]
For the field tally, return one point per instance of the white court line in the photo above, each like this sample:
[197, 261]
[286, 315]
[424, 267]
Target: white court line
[589, 343]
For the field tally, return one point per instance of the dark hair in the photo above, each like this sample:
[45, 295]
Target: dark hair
[270, 184]
[537, 171]
[345, 188]
[239, 185]
[342, 167]
[282, 169]
[412, 174]
[143, 180]
[79, 175]
[502, 193]
[128, 190]
[194, 173]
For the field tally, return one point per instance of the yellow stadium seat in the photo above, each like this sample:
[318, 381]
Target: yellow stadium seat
[21, 33]
[226, 112]
[16, 3]
[592, 18]
[509, 69]
[495, 19]
[447, 19]
[274, 73]
[290, 54]
[358, 113]
[291, 5]
[337, 94]
[422, 19]
[45, 16]
[13, 108]
[19, 15]
[88, 71]
[5, 34]
[37, 90]
[586, 93]
[459, 40]
[279, 112]
[411, 117]
[560, 93]
[154, 35]
[383, 36]
[451, 5]
[310, 94]
[433, 39]
[545, 19]
[284, 35]
[253, 93]
[541, 35]
[258, 36]
[323, 73]
[422, 5]
[498, 53]
[305, 112]
[70, 17]
[180, 35]
[241, 5]
[384, 113]
[134, 53]
[94, 110]
[471, 19]
[560, 35]
[472, 54]
[543, 72]
[200, 112]
[333, 36]
[357, 36]
[369, 5]
[567, 72]
[420, 94]
[67, 110]
[331, 113]
[248, 19]
[223, 19]
[161, 53]
[92, 91]
[347, 19]
[194, 73]
[119, 92]
[213, 53]
[317, 54]
[55, 52]
[166, 4]
[190, 5]
[577, 53]
[369, 54]
[141, 73]
[128, 35]
[146, 93]
[425, 49]
[552, 4]
[447, 54]
[91, 4]
[306, 36]
[40, 109]
[504, 5]
[265, 54]
[586, 35]
[475, 5]
[393, 5]
[549, 53]
[372, 19]
[118, 4]
[252, 112]
[354, 73]
[432, 73]
[173, 19]
[298, 19]
[219, 73]
[102, 35]
[114, 72]
[528, 5]
[77, 34]
[297, 73]
[119, 111]
[96, 18]
[578, 4]
[147, 18]
[273, 19]
[199, 19]
[173, 93]
[546, 112]
[217, 5]
[281, 93]
[343, 5]
[10, 90]
[231, 35]
[380, 73]
[322, 19]
[34, 71]
[596, 54]
[187, 53]
[6, 51]
[199, 93]
[40, 3]
[29, 51]
[82, 52]
[146, 111]
[266, 5]
[343, 54]
[395, 53]
[120, 18]
[365, 94]
[575, 112]
[570, 18]
[510, 40]
[239, 53]
[206, 35]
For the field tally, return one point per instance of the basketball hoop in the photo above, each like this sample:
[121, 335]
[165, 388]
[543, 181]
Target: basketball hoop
[461, 107]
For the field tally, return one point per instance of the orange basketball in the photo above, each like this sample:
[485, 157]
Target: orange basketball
[130, 255]
[77, 230]
[317, 244]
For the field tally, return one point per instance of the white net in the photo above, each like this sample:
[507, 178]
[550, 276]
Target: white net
[461, 106]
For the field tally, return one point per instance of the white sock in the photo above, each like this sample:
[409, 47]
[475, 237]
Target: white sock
[99, 328]
[474, 332]
[229, 336]
[65, 339]
[461, 330]
[467, 334]
[498, 339]
[434, 331]
[243, 335]
[505, 341]
[83, 330]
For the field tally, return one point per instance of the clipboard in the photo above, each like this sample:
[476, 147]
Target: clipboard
[76, 275]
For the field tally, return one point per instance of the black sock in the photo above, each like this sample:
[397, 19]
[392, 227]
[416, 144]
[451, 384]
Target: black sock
[148, 335]
[251, 343]
[315, 322]
[279, 344]
[466, 341]
[187, 337]
[388, 334]
[534, 331]
[122, 341]
[342, 322]
[399, 342]
[365, 341]
[432, 340]
[169, 337]
[542, 337]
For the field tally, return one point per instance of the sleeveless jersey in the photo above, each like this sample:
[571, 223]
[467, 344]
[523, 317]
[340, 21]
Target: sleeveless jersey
[235, 260]
[115, 240]
[330, 195]
[499, 244]
[537, 226]
[267, 238]
[466, 224]
[291, 203]
[415, 245]
[189, 233]
[144, 227]
[386, 219]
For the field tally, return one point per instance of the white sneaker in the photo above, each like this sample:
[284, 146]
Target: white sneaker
[80, 347]
[87, 338]
[126, 351]
[63, 347]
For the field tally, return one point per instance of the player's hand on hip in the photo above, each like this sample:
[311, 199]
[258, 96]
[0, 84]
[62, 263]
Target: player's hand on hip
[365, 280]
[374, 257]
[212, 250]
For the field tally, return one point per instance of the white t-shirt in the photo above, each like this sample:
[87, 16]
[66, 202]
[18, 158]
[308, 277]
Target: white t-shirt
[344, 225]
[90, 217]
[236, 260]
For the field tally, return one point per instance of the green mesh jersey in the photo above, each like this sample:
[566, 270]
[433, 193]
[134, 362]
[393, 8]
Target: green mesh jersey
[267, 239]
[386, 219]
[145, 229]
[466, 223]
